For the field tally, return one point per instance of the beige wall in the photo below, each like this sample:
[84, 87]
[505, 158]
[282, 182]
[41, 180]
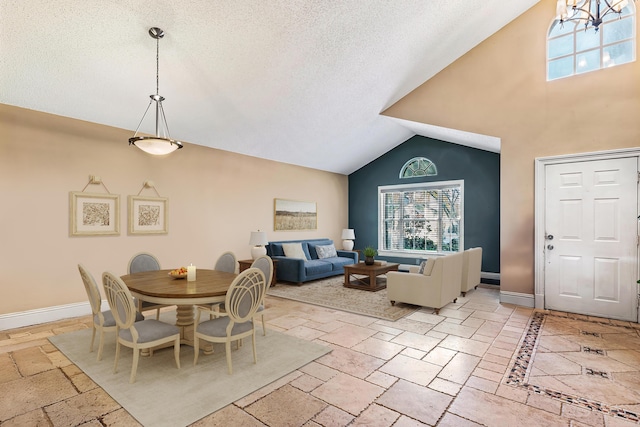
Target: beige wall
[500, 89]
[216, 199]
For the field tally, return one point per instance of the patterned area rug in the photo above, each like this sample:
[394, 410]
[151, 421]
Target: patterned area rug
[331, 293]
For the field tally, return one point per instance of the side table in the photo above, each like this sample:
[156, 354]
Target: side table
[243, 264]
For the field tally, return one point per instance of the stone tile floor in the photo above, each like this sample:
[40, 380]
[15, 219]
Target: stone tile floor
[477, 363]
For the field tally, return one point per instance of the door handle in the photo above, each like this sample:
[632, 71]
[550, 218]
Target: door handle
[550, 247]
[549, 236]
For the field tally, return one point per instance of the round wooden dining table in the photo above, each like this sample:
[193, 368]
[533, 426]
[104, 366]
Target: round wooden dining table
[159, 287]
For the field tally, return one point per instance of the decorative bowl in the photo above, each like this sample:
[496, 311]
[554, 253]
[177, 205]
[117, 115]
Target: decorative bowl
[178, 276]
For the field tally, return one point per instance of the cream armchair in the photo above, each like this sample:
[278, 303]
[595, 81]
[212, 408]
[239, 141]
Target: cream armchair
[436, 287]
[471, 267]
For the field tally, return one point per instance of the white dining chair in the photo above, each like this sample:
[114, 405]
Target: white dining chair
[237, 322]
[226, 262]
[138, 263]
[147, 333]
[265, 264]
[102, 321]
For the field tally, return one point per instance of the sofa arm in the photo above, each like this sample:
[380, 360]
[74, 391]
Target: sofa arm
[414, 288]
[349, 254]
[290, 269]
[408, 280]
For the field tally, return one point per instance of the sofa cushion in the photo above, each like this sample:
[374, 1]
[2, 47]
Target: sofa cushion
[317, 266]
[326, 251]
[293, 250]
[338, 262]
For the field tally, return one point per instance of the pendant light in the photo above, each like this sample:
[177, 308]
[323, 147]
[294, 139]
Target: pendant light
[589, 13]
[161, 143]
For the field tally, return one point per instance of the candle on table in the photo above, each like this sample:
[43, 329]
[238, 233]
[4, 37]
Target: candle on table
[191, 273]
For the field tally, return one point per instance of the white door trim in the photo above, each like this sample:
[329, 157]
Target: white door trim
[540, 208]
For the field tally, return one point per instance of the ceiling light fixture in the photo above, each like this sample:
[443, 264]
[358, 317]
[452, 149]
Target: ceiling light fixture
[588, 12]
[161, 143]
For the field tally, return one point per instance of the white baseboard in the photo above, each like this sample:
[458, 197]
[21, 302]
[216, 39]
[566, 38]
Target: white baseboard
[487, 275]
[43, 315]
[517, 298]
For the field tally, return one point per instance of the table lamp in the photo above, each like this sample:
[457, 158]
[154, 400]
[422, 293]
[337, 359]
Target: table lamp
[258, 240]
[347, 239]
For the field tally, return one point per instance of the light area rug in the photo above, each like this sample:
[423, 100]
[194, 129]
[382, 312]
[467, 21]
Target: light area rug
[166, 396]
[331, 293]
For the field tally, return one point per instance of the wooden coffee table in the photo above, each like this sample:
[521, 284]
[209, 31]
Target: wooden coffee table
[371, 281]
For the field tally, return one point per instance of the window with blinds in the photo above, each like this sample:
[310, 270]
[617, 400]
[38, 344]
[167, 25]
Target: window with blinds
[421, 218]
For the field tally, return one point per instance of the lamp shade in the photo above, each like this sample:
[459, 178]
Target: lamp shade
[258, 238]
[348, 234]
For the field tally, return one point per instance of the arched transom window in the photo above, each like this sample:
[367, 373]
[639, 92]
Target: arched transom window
[574, 49]
[418, 166]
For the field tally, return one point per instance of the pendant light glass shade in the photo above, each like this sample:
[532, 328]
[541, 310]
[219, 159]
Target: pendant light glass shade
[161, 143]
[154, 145]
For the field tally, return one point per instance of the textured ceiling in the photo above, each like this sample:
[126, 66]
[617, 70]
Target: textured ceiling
[297, 81]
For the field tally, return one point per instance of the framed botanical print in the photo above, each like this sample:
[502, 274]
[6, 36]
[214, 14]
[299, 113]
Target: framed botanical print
[148, 215]
[94, 214]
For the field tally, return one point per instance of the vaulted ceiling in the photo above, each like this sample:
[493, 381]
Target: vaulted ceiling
[295, 81]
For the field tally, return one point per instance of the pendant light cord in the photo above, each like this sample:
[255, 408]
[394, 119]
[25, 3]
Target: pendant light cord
[158, 66]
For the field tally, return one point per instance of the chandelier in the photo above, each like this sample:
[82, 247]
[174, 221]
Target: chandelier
[161, 143]
[588, 12]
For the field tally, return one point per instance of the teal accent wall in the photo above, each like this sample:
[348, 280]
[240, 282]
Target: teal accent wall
[479, 169]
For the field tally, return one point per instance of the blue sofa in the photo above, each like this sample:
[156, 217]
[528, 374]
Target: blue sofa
[313, 267]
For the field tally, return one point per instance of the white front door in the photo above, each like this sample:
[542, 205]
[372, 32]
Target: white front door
[591, 243]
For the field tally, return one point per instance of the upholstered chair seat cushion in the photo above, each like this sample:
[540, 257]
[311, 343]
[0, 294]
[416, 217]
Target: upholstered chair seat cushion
[218, 327]
[110, 321]
[150, 330]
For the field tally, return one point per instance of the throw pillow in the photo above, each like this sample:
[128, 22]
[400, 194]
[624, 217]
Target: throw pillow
[276, 249]
[313, 254]
[293, 250]
[326, 251]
